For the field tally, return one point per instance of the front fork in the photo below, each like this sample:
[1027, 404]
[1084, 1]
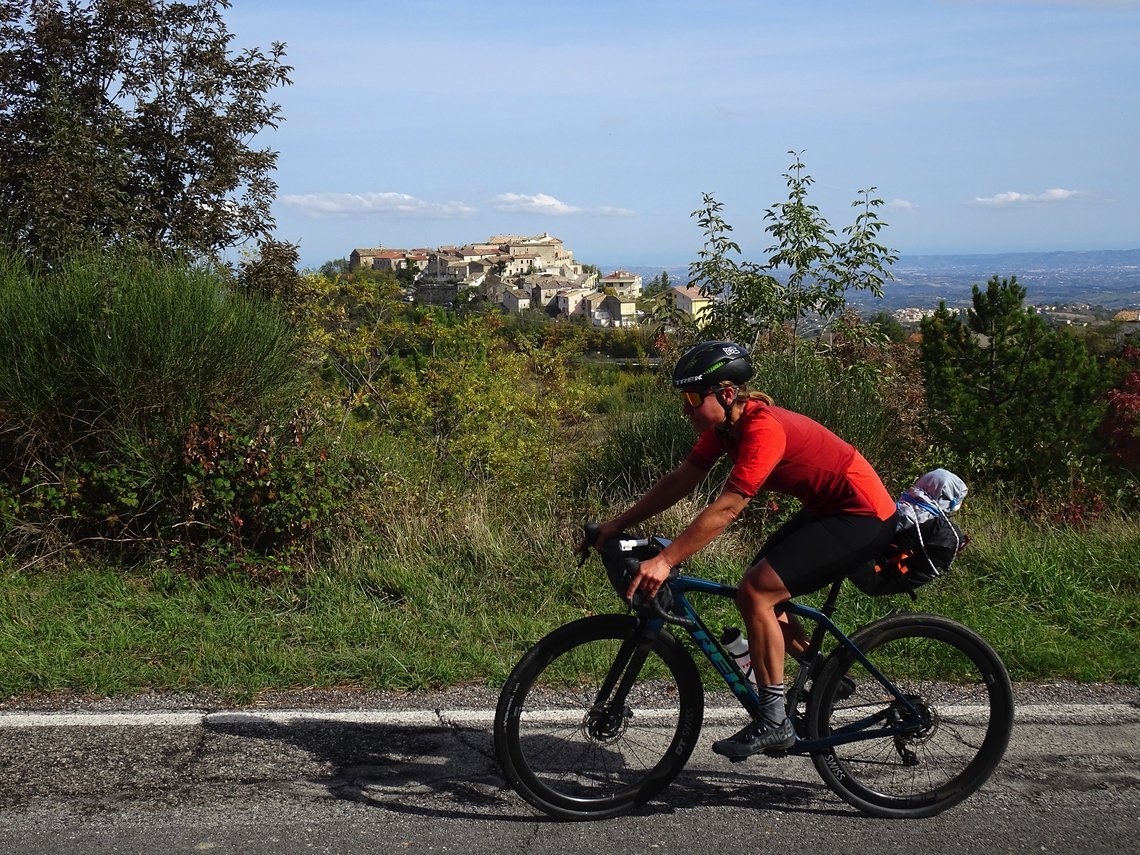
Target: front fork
[609, 712]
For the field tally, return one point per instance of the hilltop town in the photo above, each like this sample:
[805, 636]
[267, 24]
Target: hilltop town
[518, 273]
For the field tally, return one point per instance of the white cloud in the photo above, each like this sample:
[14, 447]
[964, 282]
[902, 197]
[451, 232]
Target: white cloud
[1012, 199]
[540, 203]
[384, 204]
[607, 211]
[900, 205]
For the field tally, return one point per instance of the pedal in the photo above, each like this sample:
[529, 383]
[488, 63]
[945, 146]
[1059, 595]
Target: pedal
[776, 752]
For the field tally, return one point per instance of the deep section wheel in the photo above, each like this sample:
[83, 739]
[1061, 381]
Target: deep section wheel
[598, 717]
[918, 764]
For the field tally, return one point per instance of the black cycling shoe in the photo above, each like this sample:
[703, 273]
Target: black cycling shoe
[754, 738]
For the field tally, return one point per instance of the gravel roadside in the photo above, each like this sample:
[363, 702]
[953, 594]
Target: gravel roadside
[454, 697]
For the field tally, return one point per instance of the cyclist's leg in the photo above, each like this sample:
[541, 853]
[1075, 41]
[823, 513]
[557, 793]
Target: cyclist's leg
[757, 596]
[803, 556]
[795, 637]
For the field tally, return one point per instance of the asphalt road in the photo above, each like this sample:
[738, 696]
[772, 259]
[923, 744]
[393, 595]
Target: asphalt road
[416, 773]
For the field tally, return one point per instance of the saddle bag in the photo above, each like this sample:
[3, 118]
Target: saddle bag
[926, 540]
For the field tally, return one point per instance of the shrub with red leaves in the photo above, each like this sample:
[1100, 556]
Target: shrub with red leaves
[1121, 426]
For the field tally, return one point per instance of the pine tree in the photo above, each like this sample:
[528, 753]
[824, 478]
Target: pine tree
[1009, 397]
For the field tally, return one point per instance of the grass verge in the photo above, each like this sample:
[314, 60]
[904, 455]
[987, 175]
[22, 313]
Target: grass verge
[460, 602]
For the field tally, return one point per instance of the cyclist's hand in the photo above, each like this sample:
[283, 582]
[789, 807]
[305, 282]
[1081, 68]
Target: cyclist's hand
[605, 531]
[651, 575]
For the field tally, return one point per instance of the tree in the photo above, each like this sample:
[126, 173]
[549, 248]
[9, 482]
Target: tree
[1012, 398]
[659, 284]
[271, 273]
[886, 323]
[131, 122]
[407, 273]
[334, 268]
[808, 270]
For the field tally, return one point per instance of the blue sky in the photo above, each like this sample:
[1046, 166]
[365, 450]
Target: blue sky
[985, 126]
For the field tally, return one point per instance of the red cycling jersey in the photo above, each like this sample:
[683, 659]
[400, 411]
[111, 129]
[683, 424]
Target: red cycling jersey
[777, 449]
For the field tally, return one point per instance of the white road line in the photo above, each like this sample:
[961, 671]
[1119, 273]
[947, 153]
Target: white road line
[1027, 713]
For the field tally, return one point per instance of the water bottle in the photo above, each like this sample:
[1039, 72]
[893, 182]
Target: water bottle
[733, 640]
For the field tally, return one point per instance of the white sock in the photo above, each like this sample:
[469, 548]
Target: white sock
[773, 705]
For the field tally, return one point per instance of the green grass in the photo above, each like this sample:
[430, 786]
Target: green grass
[461, 602]
[1072, 597]
[426, 607]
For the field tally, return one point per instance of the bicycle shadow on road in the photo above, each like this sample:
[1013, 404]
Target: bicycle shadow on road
[445, 771]
[449, 771]
[756, 786]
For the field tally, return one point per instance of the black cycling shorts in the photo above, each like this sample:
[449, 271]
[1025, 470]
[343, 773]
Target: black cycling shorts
[808, 552]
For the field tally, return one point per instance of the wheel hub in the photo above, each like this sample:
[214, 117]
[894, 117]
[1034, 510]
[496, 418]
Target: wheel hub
[607, 724]
[905, 743]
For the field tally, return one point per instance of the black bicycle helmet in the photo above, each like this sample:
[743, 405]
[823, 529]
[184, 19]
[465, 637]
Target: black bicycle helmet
[712, 363]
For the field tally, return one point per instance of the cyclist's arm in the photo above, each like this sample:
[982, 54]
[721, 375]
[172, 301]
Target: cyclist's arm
[703, 530]
[666, 492]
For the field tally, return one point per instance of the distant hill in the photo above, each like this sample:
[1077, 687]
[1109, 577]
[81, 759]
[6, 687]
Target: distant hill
[1109, 278]
[1019, 261]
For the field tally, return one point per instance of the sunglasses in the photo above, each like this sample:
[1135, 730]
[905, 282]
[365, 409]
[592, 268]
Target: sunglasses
[694, 399]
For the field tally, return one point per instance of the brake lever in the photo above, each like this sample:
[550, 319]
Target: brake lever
[591, 534]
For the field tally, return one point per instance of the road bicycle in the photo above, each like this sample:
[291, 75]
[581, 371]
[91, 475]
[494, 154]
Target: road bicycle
[904, 718]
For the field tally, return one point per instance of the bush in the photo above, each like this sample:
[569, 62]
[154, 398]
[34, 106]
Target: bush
[635, 447]
[1121, 426]
[147, 405]
[124, 343]
[482, 408]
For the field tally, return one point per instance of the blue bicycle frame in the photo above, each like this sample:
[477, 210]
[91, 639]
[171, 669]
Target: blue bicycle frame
[683, 614]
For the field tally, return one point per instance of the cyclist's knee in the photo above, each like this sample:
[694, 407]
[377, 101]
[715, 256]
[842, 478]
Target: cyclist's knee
[761, 587]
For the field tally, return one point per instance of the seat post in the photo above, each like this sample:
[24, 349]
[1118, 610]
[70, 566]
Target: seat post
[832, 597]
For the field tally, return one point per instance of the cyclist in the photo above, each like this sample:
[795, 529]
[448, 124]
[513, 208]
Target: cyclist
[848, 517]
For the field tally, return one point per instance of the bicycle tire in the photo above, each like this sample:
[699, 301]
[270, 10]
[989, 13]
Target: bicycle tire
[574, 759]
[970, 706]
